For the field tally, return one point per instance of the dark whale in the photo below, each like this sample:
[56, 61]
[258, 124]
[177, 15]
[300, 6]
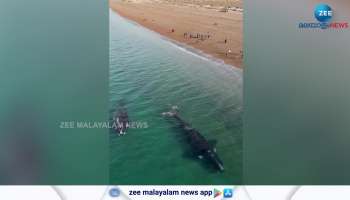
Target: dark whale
[121, 121]
[200, 146]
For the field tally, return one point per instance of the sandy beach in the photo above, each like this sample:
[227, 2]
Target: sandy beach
[214, 27]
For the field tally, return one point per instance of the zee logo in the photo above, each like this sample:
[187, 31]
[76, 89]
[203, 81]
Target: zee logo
[323, 13]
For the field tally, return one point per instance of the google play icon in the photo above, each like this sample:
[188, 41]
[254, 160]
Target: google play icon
[217, 193]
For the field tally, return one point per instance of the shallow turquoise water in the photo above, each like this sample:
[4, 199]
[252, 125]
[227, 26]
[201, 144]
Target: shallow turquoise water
[147, 74]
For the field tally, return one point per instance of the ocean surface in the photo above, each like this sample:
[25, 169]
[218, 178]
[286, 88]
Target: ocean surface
[148, 73]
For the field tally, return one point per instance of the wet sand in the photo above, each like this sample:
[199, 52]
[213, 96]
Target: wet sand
[196, 23]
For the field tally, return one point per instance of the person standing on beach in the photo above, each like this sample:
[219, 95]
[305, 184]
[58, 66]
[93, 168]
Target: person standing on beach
[228, 52]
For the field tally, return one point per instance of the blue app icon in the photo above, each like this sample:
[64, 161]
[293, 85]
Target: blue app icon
[114, 192]
[323, 13]
[228, 193]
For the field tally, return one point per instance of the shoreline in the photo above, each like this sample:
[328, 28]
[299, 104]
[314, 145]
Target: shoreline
[213, 50]
[186, 48]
